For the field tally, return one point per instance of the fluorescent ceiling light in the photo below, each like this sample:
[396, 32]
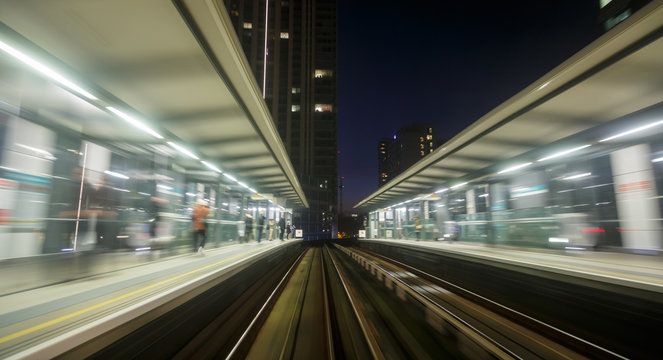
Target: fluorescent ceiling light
[657, 159]
[558, 240]
[45, 70]
[458, 185]
[211, 166]
[229, 177]
[578, 176]
[255, 192]
[645, 127]
[242, 184]
[562, 153]
[190, 194]
[45, 153]
[441, 190]
[116, 174]
[134, 122]
[183, 150]
[513, 168]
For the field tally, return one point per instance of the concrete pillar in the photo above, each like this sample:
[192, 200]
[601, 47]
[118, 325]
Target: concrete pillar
[635, 192]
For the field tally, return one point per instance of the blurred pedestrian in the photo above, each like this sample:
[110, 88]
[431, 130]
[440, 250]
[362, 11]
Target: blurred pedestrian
[248, 227]
[271, 229]
[200, 214]
[287, 230]
[417, 227]
[260, 224]
[104, 201]
[281, 227]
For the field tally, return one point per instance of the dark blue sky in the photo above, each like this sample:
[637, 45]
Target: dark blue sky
[402, 62]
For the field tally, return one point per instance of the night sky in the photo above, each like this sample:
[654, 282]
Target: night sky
[402, 62]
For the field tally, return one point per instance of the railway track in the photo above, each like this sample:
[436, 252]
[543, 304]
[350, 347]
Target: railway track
[329, 302]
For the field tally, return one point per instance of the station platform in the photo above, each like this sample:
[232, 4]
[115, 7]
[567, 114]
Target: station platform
[36, 321]
[641, 271]
[33, 321]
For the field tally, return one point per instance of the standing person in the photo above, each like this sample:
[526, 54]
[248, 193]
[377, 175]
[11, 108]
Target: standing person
[260, 224]
[104, 201]
[271, 229]
[287, 230]
[200, 213]
[248, 227]
[417, 227]
[293, 230]
[281, 227]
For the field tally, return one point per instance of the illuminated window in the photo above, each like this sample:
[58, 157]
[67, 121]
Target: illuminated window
[430, 130]
[431, 150]
[421, 139]
[296, 90]
[319, 74]
[323, 107]
[295, 108]
[235, 13]
[422, 153]
[285, 35]
[422, 146]
[429, 137]
[430, 144]
[248, 25]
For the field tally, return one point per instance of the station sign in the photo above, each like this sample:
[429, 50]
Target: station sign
[299, 233]
[389, 233]
[362, 233]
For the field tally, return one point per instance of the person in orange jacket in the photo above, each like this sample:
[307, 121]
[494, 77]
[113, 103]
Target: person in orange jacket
[199, 217]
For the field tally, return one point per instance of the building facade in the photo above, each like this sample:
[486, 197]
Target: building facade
[383, 161]
[409, 145]
[291, 47]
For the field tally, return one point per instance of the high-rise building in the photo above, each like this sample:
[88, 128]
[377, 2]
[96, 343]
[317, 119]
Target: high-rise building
[291, 48]
[383, 161]
[612, 12]
[409, 145]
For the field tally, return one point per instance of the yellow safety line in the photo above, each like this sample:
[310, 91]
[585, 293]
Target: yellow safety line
[107, 302]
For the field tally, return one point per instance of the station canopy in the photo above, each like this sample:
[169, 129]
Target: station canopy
[617, 75]
[176, 67]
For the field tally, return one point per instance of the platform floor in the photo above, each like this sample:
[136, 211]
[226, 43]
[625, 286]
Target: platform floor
[640, 271]
[40, 317]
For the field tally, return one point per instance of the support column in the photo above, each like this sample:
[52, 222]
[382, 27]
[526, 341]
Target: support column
[635, 191]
